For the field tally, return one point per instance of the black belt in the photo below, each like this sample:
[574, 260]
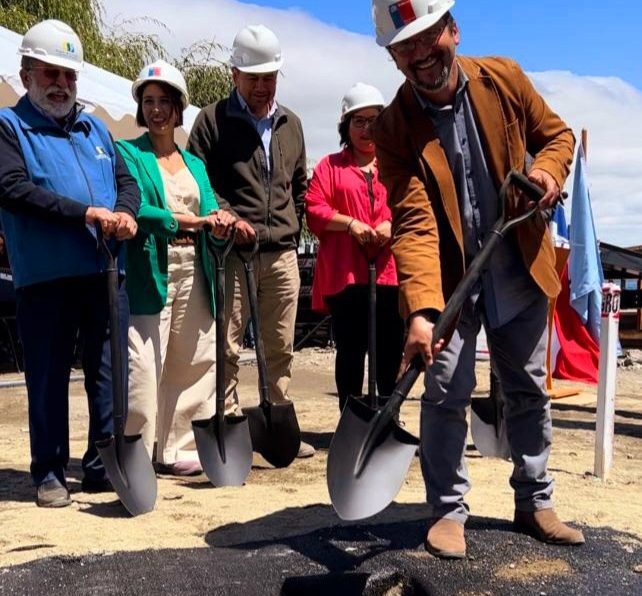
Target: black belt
[184, 238]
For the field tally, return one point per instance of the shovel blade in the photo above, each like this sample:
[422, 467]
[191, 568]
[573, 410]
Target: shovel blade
[275, 432]
[230, 467]
[488, 430]
[357, 497]
[130, 472]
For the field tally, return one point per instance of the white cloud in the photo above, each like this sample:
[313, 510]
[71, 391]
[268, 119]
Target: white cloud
[322, 62]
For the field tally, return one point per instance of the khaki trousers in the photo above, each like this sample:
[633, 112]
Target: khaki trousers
[277, 281]
[172, 376]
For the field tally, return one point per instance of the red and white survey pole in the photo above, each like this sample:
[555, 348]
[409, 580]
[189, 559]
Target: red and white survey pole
[606, 385]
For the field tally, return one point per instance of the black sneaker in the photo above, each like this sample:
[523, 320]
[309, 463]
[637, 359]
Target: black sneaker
[52, 493]
[93, 485]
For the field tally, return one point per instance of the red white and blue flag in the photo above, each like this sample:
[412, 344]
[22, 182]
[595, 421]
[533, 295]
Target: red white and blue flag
[154, 71]
[575, 350]
[402, 13]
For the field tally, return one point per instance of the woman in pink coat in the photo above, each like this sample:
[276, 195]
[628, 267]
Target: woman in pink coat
[346, 209]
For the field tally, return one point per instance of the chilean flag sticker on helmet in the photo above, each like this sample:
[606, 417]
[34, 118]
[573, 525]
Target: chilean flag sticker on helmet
[402, 13]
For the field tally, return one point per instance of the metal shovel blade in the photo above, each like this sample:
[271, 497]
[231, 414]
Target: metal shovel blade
[359, 496]
[130, 472]
[488, 428]
[275, 432]
[228, 466]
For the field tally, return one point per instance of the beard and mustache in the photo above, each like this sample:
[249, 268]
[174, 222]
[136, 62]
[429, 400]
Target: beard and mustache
[57, 110]
[436, 82]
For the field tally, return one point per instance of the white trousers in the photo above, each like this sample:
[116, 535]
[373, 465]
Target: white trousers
[172, 377]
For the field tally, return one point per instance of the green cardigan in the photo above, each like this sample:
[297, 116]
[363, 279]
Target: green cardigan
[147, 251]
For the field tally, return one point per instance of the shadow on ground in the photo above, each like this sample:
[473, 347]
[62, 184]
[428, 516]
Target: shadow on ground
[283, 553]
[16, 485]
[576, 417]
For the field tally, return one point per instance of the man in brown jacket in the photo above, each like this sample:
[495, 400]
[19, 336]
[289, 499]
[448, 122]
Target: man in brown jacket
[453, 132]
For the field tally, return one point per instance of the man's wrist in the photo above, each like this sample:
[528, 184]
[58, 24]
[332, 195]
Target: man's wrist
[430, 314]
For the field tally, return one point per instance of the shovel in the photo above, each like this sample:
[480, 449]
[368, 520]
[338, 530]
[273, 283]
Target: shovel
[487, 423]
[273, 426]
[386, 472]
[223, 442]
[374, 452]
[125, 458]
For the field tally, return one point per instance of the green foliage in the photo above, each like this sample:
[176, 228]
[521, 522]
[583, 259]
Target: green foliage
[118, 49]
[109, 47]
[208, 78]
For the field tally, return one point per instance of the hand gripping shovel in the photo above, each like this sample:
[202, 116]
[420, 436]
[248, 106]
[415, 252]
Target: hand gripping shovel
[273, 426]
[126, 461]
[223, 442]
[487, 423]
[374, 452]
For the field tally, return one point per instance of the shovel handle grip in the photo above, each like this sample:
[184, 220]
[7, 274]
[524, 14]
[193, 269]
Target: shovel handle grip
[217, 250]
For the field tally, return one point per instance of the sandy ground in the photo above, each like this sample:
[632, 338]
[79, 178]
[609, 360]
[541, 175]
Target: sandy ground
[188, 509]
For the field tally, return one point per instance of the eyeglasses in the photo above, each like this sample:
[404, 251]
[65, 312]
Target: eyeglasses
[362, 122]
[53, 74]
[427, 38]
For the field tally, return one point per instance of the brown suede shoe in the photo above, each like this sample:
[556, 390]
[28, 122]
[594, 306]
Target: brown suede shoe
[445, 539]
[547, 527]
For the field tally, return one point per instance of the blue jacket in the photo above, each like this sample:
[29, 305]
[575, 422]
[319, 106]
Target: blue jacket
[49, 176]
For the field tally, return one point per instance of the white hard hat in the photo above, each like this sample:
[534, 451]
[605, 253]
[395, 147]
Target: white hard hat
[360, 96]
[53, 42]
[256, 50]
[396, 20]
[162, 72]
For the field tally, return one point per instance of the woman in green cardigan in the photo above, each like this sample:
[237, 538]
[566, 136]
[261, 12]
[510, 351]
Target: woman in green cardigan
[169, 277]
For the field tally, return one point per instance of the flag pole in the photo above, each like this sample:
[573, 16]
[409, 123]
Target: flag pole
[585, 143]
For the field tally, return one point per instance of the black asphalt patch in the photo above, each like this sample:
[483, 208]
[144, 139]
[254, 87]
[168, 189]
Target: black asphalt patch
[382, 558]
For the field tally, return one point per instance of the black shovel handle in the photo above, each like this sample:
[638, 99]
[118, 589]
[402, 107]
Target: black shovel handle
[219, 253]
[117, 365]
[372, 334]
[247, 258]
[372, 326]
[452, 308]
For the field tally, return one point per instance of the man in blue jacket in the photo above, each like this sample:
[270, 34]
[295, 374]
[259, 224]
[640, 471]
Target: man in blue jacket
[62, 185]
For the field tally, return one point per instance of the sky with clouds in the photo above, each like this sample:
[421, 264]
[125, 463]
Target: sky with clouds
[325, 54]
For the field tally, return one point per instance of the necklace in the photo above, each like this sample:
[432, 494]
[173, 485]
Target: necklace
[165, 154]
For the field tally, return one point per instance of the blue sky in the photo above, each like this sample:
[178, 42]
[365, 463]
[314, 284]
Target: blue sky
[582, 64]
[586, 37]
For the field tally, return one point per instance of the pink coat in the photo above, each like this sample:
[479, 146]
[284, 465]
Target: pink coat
[339, 186]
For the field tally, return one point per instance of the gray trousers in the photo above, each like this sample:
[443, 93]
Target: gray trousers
[518, 351]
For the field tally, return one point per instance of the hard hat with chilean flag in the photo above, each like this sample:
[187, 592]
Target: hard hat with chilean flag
[162, 72]
[396, 20]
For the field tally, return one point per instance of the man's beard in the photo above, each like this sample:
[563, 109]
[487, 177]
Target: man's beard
[56, 110]
[437, 84]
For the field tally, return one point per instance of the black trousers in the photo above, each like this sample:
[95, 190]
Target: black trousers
[50, 317]
[349, 310]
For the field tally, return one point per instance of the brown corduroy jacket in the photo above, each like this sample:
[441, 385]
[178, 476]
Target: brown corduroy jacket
[427, 240]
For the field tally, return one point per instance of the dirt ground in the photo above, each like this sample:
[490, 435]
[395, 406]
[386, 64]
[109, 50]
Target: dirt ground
[188, 509]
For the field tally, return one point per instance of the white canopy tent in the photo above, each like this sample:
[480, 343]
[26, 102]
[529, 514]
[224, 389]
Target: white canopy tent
[104, 94]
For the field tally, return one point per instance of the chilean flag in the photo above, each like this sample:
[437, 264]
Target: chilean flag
[402, 13]
[575, 355]
[575, 349]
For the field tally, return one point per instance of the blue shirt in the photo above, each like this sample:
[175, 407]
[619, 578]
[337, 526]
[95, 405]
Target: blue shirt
[506, 286]
[263, 127]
